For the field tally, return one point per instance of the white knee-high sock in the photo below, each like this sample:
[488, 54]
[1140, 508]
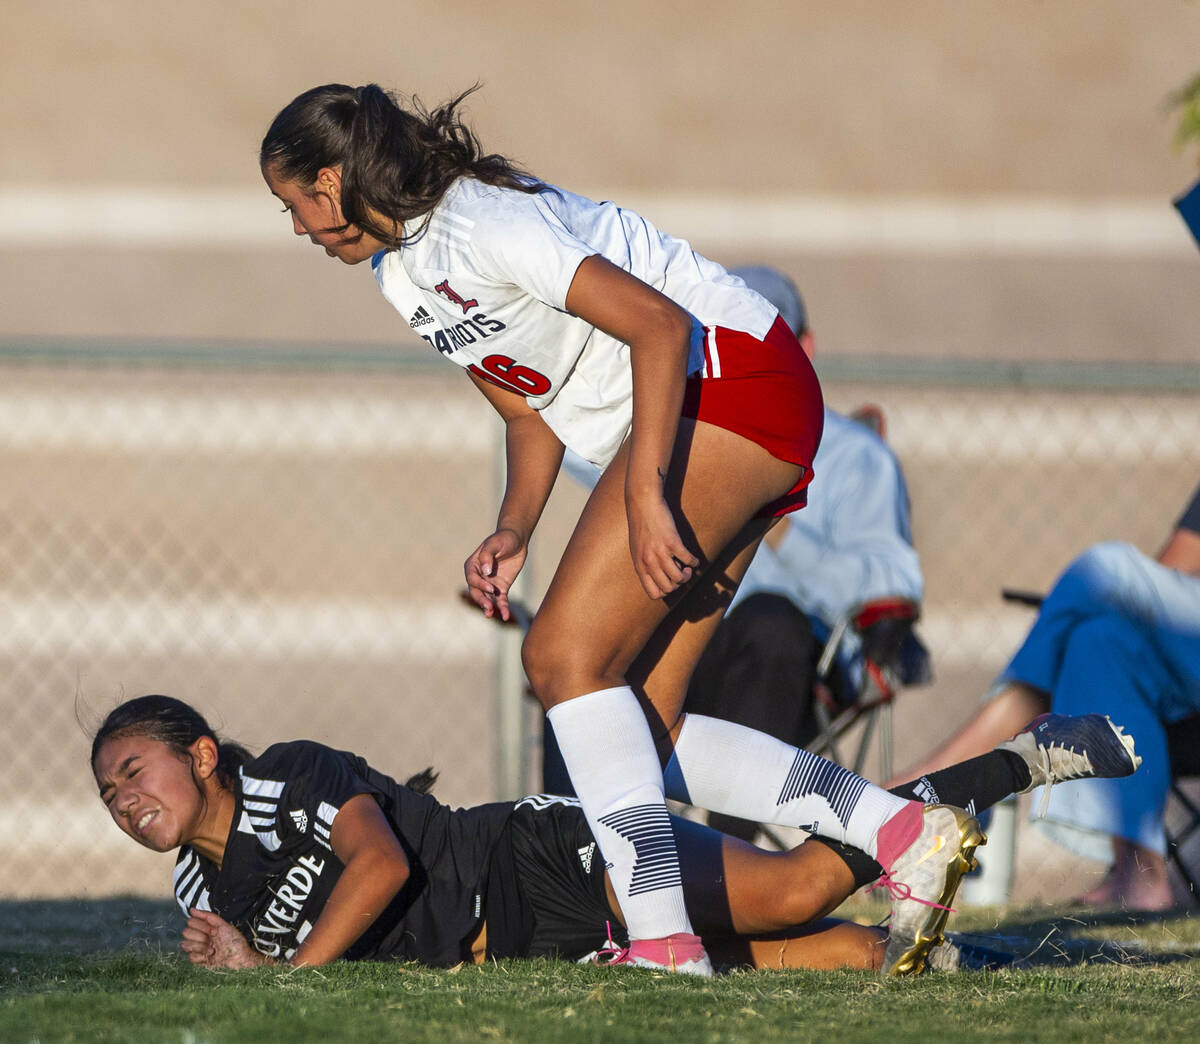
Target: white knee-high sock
[609, 752]
[731, 769]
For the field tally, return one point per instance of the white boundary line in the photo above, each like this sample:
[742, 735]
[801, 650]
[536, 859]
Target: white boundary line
[258, 629]
[253, 423]
[909, 225]
[926, 225]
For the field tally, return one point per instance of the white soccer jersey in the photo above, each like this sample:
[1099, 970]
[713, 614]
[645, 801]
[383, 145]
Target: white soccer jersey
[485, 283]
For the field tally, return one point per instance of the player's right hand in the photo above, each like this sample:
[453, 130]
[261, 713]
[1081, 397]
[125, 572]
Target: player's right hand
[213, 942]
[661, 560]
[492, 569]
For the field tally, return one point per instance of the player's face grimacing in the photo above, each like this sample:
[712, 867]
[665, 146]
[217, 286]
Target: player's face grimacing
[149, 790]
[317, 213]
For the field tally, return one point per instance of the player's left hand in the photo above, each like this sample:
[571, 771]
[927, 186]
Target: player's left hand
[213, 942]
[660, 558]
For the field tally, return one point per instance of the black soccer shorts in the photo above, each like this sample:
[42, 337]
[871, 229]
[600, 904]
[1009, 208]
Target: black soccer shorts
[545, 891]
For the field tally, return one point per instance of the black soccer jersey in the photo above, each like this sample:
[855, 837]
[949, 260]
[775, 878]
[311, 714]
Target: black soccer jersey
[278, 869]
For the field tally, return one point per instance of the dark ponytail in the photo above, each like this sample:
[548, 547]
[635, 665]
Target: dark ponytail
[395, 161]
[422, 782]
[174, 723]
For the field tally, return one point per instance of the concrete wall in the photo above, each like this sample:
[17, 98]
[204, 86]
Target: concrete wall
[695, 112]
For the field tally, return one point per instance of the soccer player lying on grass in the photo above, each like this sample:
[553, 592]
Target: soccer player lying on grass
[305, 854]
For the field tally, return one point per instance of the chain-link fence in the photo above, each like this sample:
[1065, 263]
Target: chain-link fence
[281, 544]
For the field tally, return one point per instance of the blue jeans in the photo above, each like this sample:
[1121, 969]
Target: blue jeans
[1118, 634]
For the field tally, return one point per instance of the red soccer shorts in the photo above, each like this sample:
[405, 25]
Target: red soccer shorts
[767, 392]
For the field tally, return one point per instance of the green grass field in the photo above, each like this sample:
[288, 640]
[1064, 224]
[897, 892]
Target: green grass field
[109, 971]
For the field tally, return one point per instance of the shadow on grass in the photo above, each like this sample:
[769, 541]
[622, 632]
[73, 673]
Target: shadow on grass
[82, 926]
[1035, 937]
[1057, 936]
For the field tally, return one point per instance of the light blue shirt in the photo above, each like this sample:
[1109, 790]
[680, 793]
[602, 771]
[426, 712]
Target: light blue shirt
[853, 542]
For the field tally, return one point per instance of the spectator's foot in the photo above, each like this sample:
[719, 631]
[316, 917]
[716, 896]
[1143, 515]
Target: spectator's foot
[922, 881]
[1061, 747]
[1137, 881]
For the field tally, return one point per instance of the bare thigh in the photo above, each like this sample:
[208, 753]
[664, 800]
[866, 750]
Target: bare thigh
[596, 620]
[662, 670]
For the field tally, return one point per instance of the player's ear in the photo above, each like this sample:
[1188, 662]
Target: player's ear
[329, 182]
[204, 757]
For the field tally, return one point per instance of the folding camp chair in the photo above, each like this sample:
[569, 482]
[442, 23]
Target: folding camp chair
[893, 656]
[1182, 817]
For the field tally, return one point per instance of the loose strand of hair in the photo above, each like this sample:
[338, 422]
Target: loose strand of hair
[401, 163]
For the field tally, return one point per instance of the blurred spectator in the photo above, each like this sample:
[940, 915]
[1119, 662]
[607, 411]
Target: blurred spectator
[1118, 634]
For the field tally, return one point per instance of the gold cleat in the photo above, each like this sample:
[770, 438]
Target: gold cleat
[922, 883]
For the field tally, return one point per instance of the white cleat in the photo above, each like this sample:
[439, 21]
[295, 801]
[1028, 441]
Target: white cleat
[922, 882]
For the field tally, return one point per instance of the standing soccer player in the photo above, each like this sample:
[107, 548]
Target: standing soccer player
[585, 326]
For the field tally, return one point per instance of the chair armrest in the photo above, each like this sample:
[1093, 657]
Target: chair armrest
[883, 624]
[885, 627]
[1029, 598]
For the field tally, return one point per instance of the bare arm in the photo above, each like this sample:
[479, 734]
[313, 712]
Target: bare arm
[658, 333]
[375, 868]
[533, 455]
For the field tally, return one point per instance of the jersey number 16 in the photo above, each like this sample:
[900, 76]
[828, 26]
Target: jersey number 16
[501, 370]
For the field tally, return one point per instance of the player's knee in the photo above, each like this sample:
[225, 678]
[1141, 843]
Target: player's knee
[550, 666]
[535, 659]
[814, 885]
[796, 902]
[562, 662]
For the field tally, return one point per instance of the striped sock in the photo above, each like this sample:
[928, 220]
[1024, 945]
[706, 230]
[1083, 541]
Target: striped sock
[610, 755]
[737, 771]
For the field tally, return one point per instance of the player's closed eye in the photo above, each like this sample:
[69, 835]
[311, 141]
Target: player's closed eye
[111, 792]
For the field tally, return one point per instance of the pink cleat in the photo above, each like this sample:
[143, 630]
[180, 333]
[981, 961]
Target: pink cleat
[680, 953]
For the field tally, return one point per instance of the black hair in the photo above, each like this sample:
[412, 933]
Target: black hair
[175, 723]
[396, 160]
[422, 782]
